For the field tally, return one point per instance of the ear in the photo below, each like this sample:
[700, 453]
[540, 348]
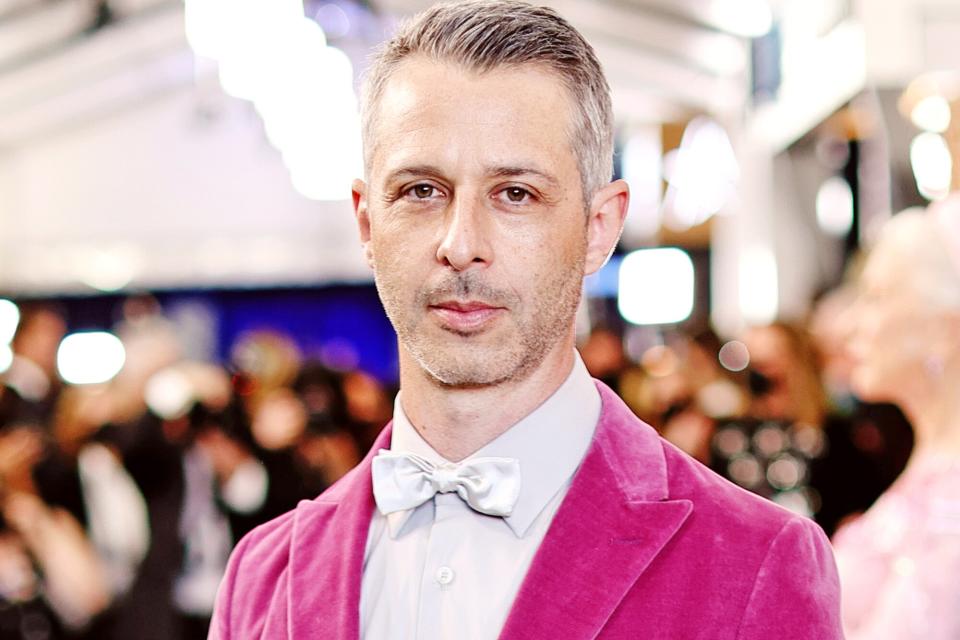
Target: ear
[360, 210]
[947, 342]
[608, 209]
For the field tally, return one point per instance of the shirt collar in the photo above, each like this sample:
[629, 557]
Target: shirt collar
[566, 420]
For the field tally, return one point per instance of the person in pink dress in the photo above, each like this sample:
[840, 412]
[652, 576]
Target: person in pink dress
[900, 562]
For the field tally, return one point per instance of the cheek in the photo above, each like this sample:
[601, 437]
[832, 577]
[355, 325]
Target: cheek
[396, 253]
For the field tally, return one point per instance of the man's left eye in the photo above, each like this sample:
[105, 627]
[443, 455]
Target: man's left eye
[516, 194]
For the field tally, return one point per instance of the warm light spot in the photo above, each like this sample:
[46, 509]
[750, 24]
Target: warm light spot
[660, 361]
[931, 114]
[734, 356]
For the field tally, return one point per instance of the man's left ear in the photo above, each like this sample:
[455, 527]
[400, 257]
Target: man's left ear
[608, 209]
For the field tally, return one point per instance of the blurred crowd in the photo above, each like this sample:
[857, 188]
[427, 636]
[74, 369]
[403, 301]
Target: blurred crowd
[772, 411]
[120, 502]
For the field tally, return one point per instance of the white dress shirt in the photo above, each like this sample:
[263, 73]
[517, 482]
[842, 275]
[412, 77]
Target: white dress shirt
[443, 570]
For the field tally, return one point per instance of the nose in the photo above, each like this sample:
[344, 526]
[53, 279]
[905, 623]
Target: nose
[465, 240]
[848, 320]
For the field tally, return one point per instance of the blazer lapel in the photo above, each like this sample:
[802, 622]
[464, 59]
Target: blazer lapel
[326, 556]
[614, 521]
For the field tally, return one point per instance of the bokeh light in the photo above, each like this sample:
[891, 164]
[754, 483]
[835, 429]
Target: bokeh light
[9, 319]
[835, 206]
[272, 55]
[932, 165]
[703, 175]
[748, 18]
[931, 114]
[656, 286]
[90, 357]
[734, 356]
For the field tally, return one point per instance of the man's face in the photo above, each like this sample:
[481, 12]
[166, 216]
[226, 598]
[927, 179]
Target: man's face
[473, 219]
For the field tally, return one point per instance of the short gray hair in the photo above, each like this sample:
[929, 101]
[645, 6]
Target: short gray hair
[482, 35]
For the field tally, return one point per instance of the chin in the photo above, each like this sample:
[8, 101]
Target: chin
[480, 366]
[464, 374]
[869, 387]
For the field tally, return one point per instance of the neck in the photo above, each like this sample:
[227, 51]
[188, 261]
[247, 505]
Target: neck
[458, 421]
[935, 415]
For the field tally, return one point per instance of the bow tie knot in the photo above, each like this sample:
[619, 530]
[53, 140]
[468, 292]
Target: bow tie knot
[444, 478]
[404, 481]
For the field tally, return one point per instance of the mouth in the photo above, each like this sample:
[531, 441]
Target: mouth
[465, 316]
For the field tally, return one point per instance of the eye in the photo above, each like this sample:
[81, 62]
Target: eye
[422, 191]
[516, 195]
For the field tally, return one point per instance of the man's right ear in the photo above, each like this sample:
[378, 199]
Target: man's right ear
[362, 214]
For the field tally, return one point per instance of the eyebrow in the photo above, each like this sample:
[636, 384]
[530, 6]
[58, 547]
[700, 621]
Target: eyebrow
[496, 171]
[413, 172]
[512, 172]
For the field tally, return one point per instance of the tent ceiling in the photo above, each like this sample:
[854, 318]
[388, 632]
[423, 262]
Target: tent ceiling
[664, 58]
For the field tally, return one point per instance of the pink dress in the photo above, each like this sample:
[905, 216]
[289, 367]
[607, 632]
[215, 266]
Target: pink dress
[900, 562]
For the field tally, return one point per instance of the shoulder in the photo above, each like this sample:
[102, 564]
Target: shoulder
[723, 502]
[645, 463]
[256, 567]
[774, 567]
[250, 602]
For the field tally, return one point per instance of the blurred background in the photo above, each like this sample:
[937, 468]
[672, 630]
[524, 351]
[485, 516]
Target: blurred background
[190, 341]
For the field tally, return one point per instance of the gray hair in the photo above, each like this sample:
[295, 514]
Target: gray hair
[482, 35]
[926, 247]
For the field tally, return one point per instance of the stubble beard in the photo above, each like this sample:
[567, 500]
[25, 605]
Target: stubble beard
[501, 355]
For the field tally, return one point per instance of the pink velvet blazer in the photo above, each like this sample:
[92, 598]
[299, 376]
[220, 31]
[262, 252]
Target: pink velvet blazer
[647, 544]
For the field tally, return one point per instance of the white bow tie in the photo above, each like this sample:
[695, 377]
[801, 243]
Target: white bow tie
[404, 481]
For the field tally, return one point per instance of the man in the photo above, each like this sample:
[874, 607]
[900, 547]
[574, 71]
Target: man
[511, 496]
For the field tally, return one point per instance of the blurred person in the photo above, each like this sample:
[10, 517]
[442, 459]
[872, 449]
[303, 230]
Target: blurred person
[789, 446]
[222, 478]
[165, 421]
[111, 507]
[878, 429]
[484, 206]
[334, 439]
[369, 406]
[900, 561]
[196, 470]
[783, 375]
[705, 395]
[268, 360]
[32, 380]
[602, 354]
[51, 582]
[304, 437]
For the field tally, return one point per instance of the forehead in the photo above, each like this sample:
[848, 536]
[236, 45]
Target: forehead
[442, 112]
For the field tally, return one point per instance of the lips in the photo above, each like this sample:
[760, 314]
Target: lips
[465, 316]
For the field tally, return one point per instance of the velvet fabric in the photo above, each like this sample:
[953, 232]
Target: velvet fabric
[648, 543]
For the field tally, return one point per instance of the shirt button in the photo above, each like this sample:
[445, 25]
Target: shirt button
[445, 575]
